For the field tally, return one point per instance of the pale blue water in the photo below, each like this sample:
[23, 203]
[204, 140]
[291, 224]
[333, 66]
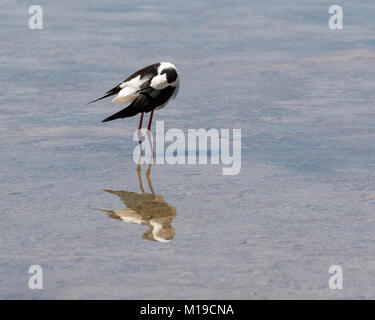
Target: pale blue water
[302, 94]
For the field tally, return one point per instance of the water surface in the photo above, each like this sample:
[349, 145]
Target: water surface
[302, 94]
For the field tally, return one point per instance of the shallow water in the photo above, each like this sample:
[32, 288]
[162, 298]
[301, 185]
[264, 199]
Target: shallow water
[302, 94]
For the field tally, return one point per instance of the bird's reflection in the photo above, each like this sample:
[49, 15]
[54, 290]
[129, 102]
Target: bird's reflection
[147, 209]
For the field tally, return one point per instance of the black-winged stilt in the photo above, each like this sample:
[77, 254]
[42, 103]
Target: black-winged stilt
[148, 89]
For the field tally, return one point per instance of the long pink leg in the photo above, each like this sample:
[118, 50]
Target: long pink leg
[149, 123]
[140, 121]
[140, 125]
[139, 133]
[149, 133]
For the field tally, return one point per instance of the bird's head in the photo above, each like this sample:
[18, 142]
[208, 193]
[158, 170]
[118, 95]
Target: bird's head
[169, 70]
[171, 74]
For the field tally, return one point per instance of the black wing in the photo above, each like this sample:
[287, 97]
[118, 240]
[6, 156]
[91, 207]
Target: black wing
[151, 69]
[148, 100]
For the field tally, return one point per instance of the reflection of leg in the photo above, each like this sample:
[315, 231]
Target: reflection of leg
[139, 158]
[148, 175]
[140, 178]
[139, 171]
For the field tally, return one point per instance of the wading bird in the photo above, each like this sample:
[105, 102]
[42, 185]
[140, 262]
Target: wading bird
[148, 89]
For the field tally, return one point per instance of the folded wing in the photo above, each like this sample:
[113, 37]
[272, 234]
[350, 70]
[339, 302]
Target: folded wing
[147, 100]
[128, 90]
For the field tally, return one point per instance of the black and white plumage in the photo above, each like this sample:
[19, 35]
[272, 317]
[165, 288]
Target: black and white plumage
[148, 89]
